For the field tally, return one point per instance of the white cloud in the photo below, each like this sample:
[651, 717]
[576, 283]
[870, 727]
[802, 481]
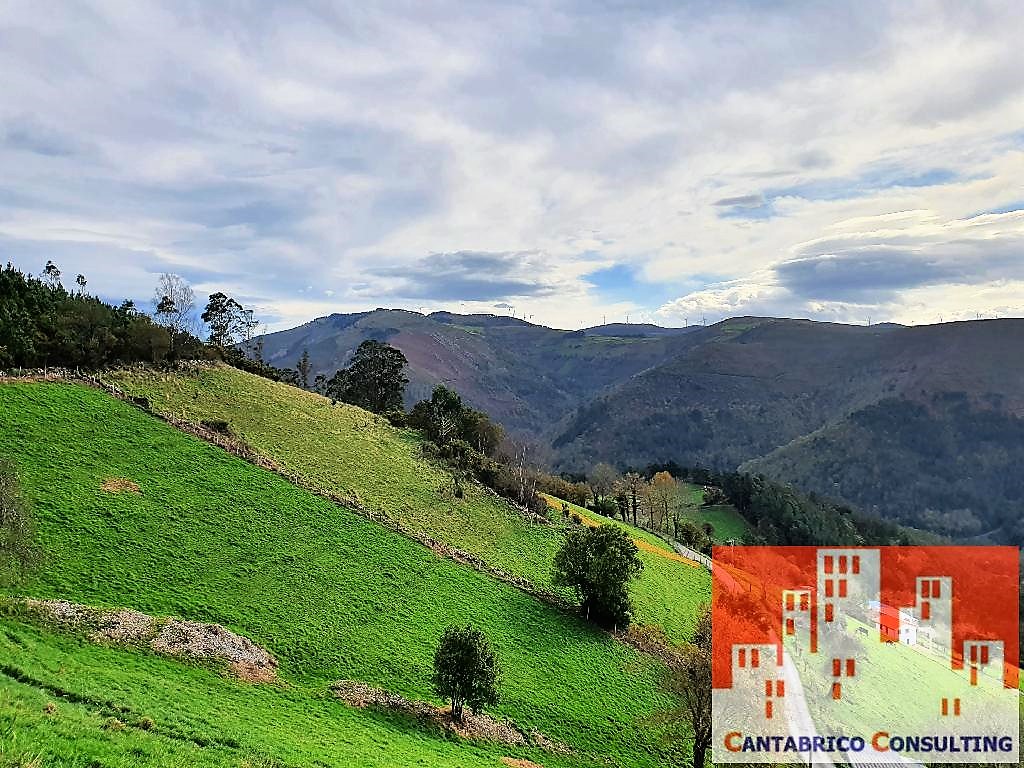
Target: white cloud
[263, 149]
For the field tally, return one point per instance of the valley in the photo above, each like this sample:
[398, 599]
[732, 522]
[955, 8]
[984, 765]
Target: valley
[921, 425]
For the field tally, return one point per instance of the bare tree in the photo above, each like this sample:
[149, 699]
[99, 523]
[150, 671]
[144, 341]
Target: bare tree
[632, 484]
[689, 679]
[602, 479]
[249, 325]
[175, 303]
[51, 275]
[519, 463]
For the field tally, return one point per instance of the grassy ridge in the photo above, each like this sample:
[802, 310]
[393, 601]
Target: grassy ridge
[351, 451]
[354, 453]
[211, 537]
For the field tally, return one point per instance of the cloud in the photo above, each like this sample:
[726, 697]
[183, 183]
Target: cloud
[569, 160]
[866, 272]
[875, 265]
[27, 134]
[742, 201]
[472, 276]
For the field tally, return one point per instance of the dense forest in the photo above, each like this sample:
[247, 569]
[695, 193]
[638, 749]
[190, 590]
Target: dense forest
[783, 515]
[912, 465]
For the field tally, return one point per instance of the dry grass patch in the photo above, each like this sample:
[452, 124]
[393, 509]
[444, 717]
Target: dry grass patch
[120, 485]
[515, 762]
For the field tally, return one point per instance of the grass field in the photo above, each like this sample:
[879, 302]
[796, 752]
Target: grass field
[210, 537]
[57, 694]
[354, 453]
[728, 523]
[670, 588]
[350, 451]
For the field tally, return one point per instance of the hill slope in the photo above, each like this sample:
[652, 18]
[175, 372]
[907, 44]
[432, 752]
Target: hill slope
[524, 375]
[210, 537]
[921, 425]
[354, 453]
[747, 391]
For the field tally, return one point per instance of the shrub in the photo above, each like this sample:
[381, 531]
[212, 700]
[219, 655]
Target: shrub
[397, 418]
[713, 495]
[217, 425]
[465, 670]
[599, 563]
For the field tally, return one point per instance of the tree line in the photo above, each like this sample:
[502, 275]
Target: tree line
[654, 498]
[656, 501]
[43, 324]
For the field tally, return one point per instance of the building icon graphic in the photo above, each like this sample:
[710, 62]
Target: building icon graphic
[867, 651]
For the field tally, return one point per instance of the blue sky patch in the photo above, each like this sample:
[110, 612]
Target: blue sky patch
[869, 182]
[621, 282]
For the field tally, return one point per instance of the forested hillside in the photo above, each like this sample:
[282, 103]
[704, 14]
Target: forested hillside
[917, 424]
[524, 375]
[911, 464]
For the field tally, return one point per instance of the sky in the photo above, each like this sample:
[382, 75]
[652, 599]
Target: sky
[571, 163]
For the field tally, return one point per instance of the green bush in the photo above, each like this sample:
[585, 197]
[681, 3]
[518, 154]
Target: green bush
[599, 563]
[465, 670]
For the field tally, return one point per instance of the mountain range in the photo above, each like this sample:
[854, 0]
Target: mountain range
[920, 424]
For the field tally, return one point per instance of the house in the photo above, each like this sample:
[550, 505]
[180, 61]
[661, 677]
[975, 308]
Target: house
[894, 624]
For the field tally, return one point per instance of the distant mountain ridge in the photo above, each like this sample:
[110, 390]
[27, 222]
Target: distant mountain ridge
[922, 424]
[527, 376]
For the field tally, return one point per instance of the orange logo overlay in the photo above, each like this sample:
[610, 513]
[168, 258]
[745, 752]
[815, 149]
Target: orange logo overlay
[859, 655]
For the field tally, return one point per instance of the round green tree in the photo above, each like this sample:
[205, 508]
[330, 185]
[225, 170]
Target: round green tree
[465, 670]
[599, 563]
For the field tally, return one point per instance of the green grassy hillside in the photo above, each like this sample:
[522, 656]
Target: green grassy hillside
[670, 589]
[353, 453]
[210, 537]
[57, 694]
[350, 451]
